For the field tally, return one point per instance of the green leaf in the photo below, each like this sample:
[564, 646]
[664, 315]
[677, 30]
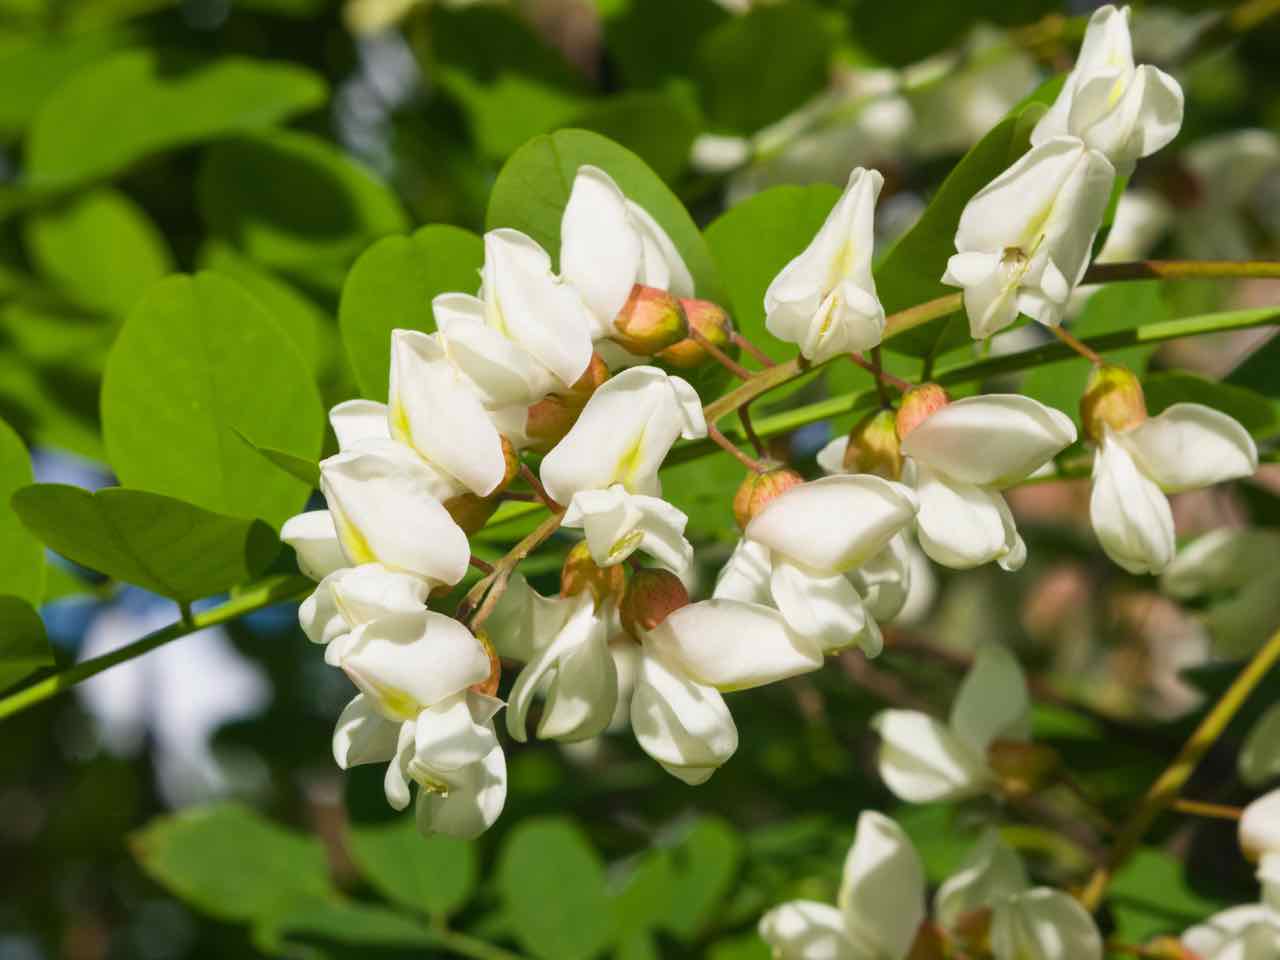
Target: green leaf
[230, 862]
[156, 542]
[295, 203]
[658, 126]
[198, 360]
[558, 915]
[1254, 411]
[435, 874]
[757, 68]
[1150, 896]
[754, 240]
[647, 51]
[532, 190]
[704, 866]
[32, 71]
[331, 921]
[924, 27]
[24, 648]
[392, 285]
[308, 471]
[1258, 372]
[22, 571]
[138, 102]
[100, 247]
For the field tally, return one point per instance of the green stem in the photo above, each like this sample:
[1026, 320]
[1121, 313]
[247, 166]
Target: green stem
[274, 590]
[465, 945]
[1167, 786]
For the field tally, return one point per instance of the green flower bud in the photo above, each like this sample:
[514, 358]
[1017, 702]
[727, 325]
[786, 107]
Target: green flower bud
[650, 321]
[708, 319]
[1112, 398]
[874, 447]
[580, 573]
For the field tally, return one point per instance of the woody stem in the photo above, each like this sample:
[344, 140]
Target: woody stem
[721, 440]
[722, 358]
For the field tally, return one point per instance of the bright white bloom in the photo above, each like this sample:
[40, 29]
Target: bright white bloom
[1248, 932]
[608, 244]
[1186, 447]
[623, 435]
[315, 540]
[1260, 826]
[990, 873]
[449, 749]
[1259, 759]
[923, 760]
[523, 620]
[682, 724]
[617, 524]
[880, 905]
[1123, 111]
[353, 596]
[385, 506]
[825, 300]
[962, 456]
[1043, 924]
[1024, 240]
[359, 424]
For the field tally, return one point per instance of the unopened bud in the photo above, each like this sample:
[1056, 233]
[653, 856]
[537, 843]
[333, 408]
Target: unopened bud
[973, 929]
[1168, 948]
[758, 489]
[918, 404]
[1112, 398]
[874, 446]
[580, 573]
[552, 417]
[1022, 767]
[489, 685]
[928, 944]
[651, 597]
[470, 512]
[650, 321]
[709, 320]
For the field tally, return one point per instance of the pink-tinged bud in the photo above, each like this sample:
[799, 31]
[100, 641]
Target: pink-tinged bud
[580, 573]
[651, 597]
[712, 322]
[552, 417]
[1021, 767]
[874, 447]
[650, 321]
[918, 404]
[1112, 398]
[1168, 948]
[489, 685]
[758, 489]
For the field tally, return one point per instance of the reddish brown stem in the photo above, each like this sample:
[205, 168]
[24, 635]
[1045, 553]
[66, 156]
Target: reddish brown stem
[539, 490]
[719, 438]
[749, 429]
[722, 358]
[743, 343]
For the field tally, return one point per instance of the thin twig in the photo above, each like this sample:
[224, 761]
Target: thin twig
[749, 429]
[721, 440]
[1079, 346]
[743, 343]
[539, 490]
[519, 496]
[882, 376]
[490, 587]
[484, 566]
[1198, 808]
[722, 358]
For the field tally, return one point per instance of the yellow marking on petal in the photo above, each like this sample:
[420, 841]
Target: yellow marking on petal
[625, 545]
[629, 462]
[398, 421]
[352, 541]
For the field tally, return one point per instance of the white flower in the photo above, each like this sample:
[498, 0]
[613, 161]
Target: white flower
[1186, 447]
[1043, 924]
[963, 454]
[449, 749]
[880, 905]
[1024, 240]
[682, 724]
[923, 760]
[1126, 112]
[608, 244]
[617, 523]
[623, 435]
[825, 300]
[1248, 932]
[315, 540]
[990, 872]
[385, 506]
[1260, 826]
[360, 423]
[353, 596]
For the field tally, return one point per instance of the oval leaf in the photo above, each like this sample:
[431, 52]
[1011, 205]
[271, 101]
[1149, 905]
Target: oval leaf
[24, 648]
[22, 571]
[436, 874]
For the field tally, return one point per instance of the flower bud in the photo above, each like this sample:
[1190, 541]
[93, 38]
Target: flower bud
[1112, 398]
[758, 489]
[652, 596]
[649, 321]
[472, 512]
[1168, 948]
[552, 417]
[1260, 826]
[917, 405]
[1021, 767]
[708, 319]
[928, 944]
[973, 929]
[580, 573]
[489, 686]
[873, 446]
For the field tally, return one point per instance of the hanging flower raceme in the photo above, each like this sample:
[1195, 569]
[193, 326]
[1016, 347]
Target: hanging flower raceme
[825, 300]
[960, 455]
[982, 747]
[1141, 459]
[1124, 111]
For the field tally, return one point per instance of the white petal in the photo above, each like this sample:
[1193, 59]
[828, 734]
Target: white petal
[807, 930]
[1259, 759]
[663, 266]
[1044, 924]
[884, 581]
[921, 760]
[991, 289]
[363, 735]
[882, 888]
[961, 525]
[1063, 254]
[1130, 516]
[831, 457]
[523, 621]
[601, 251]
[352, 596]
[990, 873]
[834, 523]
[824, 609]
[472, 804]
[407, 662]
[448, 736]
[1189, 446]
[395, 782]
[683, 725]
[314, 539]
[358, 421]
[993, 702]
[1227, 927]
[501, 370]
[386, 510]
[617, 524]
[1260, 826]
[746, 575]
[991, 440]
[731, 645]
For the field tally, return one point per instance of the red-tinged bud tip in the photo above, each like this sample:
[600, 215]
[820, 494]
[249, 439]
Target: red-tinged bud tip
[470, 512]
[874, 446]
[758, 489]
[489, 685]
[1112, 398]
[580, 573]
[548, 420]
[651, 597]
[708, 319]
[650, 321]
[1022, 767]
[918, 405]
[929, 944]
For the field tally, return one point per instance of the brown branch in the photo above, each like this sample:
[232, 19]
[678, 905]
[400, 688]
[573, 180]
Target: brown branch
[722, 358]
[743, 343]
